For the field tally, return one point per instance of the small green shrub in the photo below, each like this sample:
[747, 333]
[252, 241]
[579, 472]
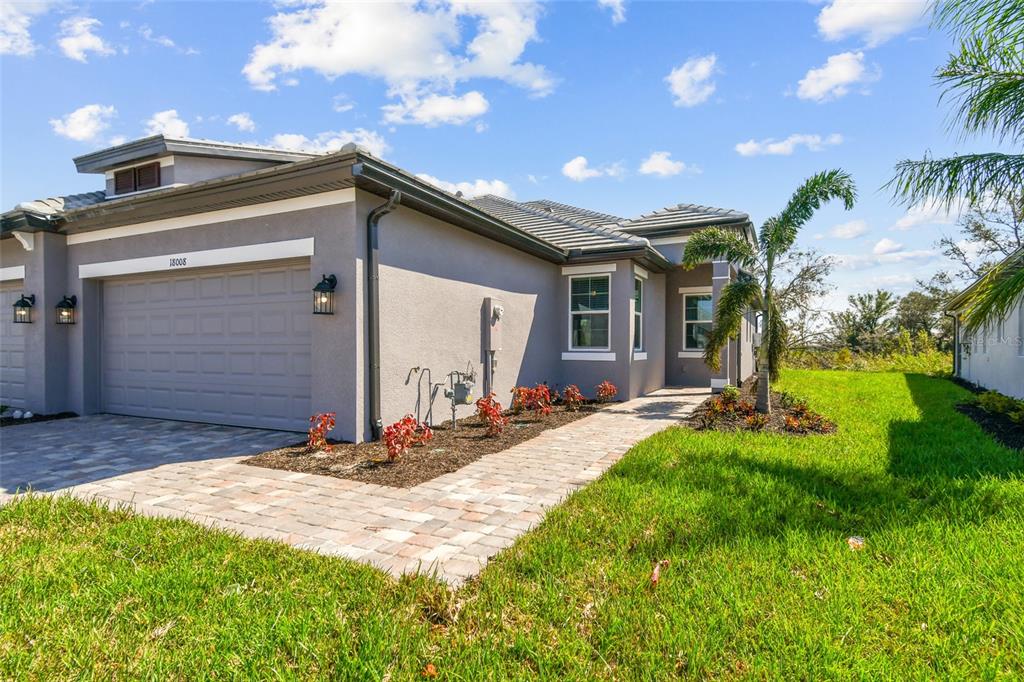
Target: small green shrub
[997, 403]
[730, 394]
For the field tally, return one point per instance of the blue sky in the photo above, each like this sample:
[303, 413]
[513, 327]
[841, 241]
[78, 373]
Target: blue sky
[727, 103]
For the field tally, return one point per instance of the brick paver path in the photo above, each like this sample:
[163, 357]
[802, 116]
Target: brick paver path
[450, 525]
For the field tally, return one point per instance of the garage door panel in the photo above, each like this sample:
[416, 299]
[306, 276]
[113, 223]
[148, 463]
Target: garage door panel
[12, 348]
[230, 347]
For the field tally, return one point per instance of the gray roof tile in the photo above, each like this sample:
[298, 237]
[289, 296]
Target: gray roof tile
[682, 216]
[583, 216]
[56, 205]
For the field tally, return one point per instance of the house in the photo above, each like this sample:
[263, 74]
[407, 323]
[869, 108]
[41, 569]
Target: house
[185, 290]
[993, 357]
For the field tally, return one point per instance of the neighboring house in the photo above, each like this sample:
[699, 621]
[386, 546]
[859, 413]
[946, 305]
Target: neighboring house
[190, 284]
[993, 357]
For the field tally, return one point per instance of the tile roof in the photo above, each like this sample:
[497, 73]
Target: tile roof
[584, 216]
[683, 216]
[56, 205]
[556, 229]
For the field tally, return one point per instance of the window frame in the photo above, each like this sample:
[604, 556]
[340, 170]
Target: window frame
[686, 292]
[134, 171]
[608, 313]
[638, 315]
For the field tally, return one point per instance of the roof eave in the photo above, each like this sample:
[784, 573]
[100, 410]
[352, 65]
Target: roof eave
[379, 178]
[155, 145]
[26, 221]
[644, 254]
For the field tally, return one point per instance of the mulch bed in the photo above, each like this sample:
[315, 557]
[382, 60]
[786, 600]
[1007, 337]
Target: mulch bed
[448, 451]
[734, 418]
[11, 421]
[999, 426]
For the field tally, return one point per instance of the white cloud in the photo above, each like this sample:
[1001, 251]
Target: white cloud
[661, 163]
[849, 230]
[579, 169]
[876, 21]
[117, 139]
[892, 280]
[618, 8]
[147, 33]
[332, 141]
[85, 123]
[814, 143]
[341, 104]
[862, 261]
[77, 39]
[15, 20]
[471, 189]
[243, 121]
[167, 123]
[434, 110]
[691, 82]
[885, 245]
[417, 49]
[927, 213]
[835, 78]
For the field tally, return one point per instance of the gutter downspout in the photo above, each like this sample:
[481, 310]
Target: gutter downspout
[373, 307]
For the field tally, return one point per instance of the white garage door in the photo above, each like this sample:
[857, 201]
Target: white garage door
[226, 346]
[12, 347]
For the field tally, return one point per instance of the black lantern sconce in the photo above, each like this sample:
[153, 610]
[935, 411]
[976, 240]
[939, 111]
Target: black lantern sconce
[323, 295]
[66, 310]
[23, 308]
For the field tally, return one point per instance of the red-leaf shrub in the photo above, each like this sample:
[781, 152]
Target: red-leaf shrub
[757, 421]
[320, 424]
[489, 411]
[536, 399]
[572, 398]
[405, 433]
[606, 391]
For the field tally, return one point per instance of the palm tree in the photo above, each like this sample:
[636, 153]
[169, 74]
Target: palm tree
[985, 77]
[754, 285]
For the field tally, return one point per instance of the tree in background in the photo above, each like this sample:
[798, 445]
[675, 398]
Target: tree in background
[801, 280]
[985, 77]
[988, 235]
[868, 324]
[756, 285]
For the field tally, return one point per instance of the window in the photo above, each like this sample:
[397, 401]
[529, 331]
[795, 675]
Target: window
[138, 178]
[638, 314]
[696, 321]
[588, 310]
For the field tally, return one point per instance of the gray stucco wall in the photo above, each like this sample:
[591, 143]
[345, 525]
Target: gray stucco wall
[689, 371]
[648, 375]
[434, 278]
[336, 339]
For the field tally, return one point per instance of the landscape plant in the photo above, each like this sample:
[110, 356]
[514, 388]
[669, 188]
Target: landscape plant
[490, 413]
[606, 391]
[404, 434]
[572, 398]
[536, 400]
[320, 425]
[754, 286]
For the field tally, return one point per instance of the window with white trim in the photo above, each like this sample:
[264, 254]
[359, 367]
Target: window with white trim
[589, 312]
[697, 320]
[638, 314]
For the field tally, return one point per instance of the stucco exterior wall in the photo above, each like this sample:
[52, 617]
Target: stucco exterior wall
[997, 363]
[686, 371]
[434, 278]
[337, 341]
[649, 374]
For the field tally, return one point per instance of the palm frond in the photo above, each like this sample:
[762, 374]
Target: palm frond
[992, 177]
[734, 300]
[986, 78]
[779, 232]
[998, 290]
[714, 243]
[980, 17]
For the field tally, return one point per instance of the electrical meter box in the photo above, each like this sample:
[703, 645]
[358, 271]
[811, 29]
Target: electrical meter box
[464, 393]
[494, 311]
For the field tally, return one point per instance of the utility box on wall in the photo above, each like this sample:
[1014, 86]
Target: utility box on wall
[494, 310]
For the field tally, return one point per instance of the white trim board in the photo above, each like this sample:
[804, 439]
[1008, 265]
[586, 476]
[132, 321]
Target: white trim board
[695, 290]
[588, 355]
[253, 253]
[690, 354]
[668, 240]
[639, 355]
[597, 268]
[338, 196]
[12, 272]
[640, 272]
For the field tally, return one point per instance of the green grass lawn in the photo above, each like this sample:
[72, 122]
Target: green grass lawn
[760, 581]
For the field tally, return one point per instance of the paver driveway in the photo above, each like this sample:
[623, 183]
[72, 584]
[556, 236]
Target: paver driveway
[451, 524]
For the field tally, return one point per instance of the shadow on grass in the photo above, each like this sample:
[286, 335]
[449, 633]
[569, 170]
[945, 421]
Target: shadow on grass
[932, 468]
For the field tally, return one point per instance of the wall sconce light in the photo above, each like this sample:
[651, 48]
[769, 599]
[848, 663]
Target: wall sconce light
[23, 308]
[66, 310]
[323, 295]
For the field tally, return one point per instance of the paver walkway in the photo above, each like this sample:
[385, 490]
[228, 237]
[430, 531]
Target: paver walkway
[450, 525]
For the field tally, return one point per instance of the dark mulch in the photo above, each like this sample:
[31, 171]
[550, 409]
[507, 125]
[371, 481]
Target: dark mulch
[732, 418]
[11, 421]
[448, 451]
[999, 426]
